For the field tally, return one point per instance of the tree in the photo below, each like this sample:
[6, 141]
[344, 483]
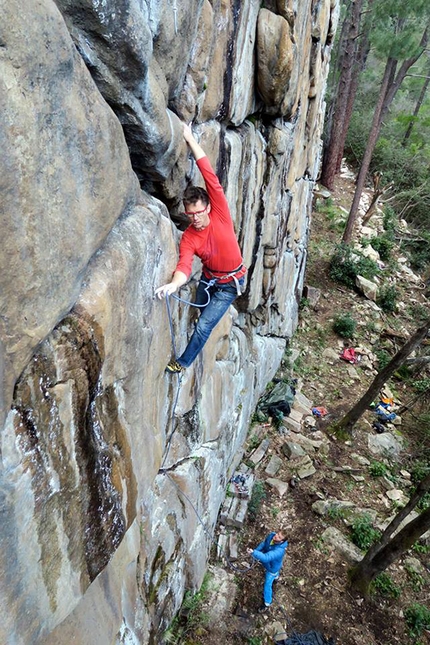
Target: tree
[350, 419]
[388, 549]
[399, 49]
[345, 86]
[417, 108]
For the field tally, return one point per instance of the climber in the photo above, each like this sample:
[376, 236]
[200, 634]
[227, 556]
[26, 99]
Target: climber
[270, 553]
[211, 237]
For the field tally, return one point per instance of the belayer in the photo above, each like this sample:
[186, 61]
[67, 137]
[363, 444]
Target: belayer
[211, 237]
[270, 552]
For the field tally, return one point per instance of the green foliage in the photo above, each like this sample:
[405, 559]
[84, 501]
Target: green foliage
[274, 512]
[417, 580]
[191, 615]
[304, 302]
[362, 532]
[418, 249]
[419, 470]
[253, 442]
[259, 416]
[387, 298]
[346, 264]
[390, 220]
[384, 245]
[378, 469]
[384, 585]
[417, 618]
[383, 358]
[257, 497]
[336, 513]
[421, 548]
[419, 313]
[344, 325]
[254, 640]
[328, 208]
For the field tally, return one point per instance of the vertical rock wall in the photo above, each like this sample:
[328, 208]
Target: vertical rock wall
[107, 470]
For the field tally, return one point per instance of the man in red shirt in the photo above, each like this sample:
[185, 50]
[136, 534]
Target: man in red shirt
[211, 237]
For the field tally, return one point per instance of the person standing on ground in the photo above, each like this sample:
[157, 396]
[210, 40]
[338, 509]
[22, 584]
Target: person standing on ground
[270, 553]
[211, 237]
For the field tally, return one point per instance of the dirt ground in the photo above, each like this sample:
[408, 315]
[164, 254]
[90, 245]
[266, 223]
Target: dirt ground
[313, 592]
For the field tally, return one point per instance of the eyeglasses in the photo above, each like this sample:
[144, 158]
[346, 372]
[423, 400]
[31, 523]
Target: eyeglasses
[196, 213]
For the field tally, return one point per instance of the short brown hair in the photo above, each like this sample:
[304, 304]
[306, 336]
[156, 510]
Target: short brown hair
[193, 194]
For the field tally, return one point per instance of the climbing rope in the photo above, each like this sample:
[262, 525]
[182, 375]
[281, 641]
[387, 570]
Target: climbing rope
[175, 355]
[206, 531]
[162, 469]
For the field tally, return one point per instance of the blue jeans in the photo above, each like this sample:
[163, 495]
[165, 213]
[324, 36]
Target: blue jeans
[268, 584]
[221, 297]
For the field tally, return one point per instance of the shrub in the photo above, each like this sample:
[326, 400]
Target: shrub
[345, 326]
[363, 534]
[257, 497]
[383, 358]
[385, 586]
[417, 580]
[417, 618]
[378, 469]
[390, 219]
[383, 245]
[387, 299]
[346, 264]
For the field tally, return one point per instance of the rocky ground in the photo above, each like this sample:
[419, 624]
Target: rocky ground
[316, 484]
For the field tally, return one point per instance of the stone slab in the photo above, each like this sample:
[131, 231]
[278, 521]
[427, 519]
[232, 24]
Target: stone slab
[259, 452]
[273, 466]
[280, 486]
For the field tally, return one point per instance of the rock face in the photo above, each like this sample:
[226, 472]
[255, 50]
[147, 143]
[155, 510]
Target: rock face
[104, 464]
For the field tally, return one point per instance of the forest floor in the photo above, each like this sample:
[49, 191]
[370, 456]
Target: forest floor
[314, 591]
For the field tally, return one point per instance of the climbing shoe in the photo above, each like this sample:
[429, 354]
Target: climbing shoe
[174, 367]
[263, 609]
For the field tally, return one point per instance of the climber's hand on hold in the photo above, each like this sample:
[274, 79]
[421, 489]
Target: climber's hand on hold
[179, 279]
[195, 147]
[188, 135]
[166, 290]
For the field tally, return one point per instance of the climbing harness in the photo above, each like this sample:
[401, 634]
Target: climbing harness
[209, 284]
[230, 274]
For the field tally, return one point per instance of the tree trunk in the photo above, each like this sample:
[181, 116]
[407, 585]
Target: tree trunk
[378, 191]
[351, 418]
[337, 124]
[371, 142]
[360, 64]
[372, 565]
[417, 109]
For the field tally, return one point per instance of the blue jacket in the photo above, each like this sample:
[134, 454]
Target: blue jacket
[270, 555]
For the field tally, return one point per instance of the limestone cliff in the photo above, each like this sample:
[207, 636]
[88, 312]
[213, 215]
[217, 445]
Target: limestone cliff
[98, 546]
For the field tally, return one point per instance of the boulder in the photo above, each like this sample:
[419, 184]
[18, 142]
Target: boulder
[342, 545]
[367, 287]
[276, 58]
[384, 444]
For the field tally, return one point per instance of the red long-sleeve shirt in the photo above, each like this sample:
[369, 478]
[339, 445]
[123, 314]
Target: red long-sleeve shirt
[216, 245]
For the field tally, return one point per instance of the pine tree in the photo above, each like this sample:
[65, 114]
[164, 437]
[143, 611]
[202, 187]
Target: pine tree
[398, 45]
